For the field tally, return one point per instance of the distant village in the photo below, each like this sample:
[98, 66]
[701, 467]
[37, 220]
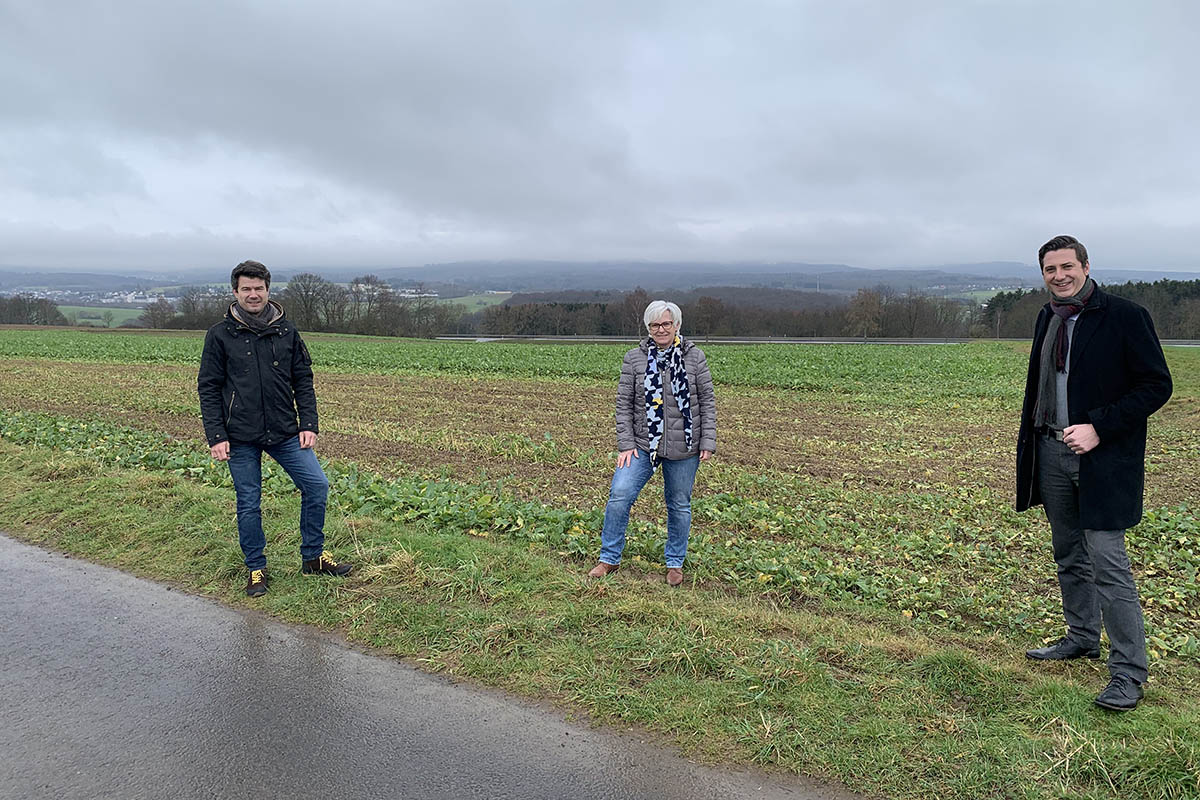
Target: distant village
[138, 299]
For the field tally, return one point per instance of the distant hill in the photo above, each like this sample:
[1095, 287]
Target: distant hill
[464, 277]
[741, 296]
[1029, 272]
[546, 276]
[70, 281]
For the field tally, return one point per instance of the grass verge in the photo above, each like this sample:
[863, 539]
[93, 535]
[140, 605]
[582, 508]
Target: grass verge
[846, 693]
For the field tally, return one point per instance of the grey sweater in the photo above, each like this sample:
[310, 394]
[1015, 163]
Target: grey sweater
[632, 431]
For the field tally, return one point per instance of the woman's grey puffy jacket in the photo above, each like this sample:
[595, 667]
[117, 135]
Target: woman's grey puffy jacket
[632, 431]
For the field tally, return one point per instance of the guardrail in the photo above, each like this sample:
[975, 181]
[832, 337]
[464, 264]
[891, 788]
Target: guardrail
[762, 340]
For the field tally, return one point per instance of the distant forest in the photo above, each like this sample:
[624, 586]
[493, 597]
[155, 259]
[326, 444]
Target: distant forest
[881, 312]
[22, 309]
[1173, 305]
[369, 305]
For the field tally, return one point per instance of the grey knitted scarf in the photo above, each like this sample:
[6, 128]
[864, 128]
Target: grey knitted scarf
[1054, 354]
[262, 321]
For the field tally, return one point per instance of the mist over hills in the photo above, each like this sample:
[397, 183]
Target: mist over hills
[28, 280]
[529, 276]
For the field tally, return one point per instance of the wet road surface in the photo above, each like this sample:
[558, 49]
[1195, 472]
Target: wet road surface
[116, 687]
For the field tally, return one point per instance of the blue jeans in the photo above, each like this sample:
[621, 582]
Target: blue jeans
[245, 467]
[1093, 568]
[627, 483]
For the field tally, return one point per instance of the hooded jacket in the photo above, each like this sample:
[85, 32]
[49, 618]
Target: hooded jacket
[256, 387]
[632, 430]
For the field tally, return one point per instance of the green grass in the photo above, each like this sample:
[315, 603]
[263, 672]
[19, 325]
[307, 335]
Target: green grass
[892, 374]
[853, 695]
[475, 302]
[119, 314]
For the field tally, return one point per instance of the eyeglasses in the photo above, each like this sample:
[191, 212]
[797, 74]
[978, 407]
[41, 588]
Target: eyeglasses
[661, 326]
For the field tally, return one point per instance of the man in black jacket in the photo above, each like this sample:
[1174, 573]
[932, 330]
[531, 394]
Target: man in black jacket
[1096, 373]
[256, 396]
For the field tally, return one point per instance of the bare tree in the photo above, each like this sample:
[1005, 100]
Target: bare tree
[632, 310]
[364, 295]
[335, 306]
[303, 297]
[865, 315]
[158, 314]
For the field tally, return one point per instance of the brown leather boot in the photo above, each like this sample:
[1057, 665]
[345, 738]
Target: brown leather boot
[602, 569]
[674, 576]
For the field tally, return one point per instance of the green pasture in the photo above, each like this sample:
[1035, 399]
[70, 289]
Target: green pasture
[93, 315]
[477, 302]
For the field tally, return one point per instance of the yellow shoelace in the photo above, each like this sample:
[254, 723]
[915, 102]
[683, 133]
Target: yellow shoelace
[256, 576]
[327, 559]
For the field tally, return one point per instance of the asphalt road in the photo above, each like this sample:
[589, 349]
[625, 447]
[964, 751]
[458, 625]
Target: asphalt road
[116, 687]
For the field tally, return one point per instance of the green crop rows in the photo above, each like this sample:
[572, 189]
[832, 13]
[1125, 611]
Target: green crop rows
[885, 374]
[882, 562]
[937, 544]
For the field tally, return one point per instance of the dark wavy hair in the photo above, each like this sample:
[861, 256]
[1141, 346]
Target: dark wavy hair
[251, 269]
[1062, 243]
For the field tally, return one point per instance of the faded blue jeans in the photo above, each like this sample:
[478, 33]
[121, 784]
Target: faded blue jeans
[1093, 568]
[627, 483]
[245, 467]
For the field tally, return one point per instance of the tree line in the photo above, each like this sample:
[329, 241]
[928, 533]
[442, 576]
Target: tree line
[879, 312]
[25, 309]
[367, 305]
[1174, 306]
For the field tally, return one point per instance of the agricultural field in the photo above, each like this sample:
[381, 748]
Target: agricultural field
[476, 302]
[859, 589]
[92, 315]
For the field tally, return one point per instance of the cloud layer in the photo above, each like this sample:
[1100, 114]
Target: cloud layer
[148, 134]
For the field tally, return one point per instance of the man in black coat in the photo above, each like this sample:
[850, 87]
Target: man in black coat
[1096, 373]
[256, 396]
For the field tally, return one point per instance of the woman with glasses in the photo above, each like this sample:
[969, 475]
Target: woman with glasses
[666, 418]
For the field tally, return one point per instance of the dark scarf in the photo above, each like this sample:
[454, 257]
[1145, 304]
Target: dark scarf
[1054, 352]
[261, 322]
[673, 356]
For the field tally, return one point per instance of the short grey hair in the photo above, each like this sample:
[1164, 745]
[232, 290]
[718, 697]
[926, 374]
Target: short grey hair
[656, 309]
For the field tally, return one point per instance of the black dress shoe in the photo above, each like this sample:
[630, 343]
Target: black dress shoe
[1121, 694]
[1063, 650]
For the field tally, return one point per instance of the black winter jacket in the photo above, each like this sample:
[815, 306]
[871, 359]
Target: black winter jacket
[1118, 378]
[253, 385]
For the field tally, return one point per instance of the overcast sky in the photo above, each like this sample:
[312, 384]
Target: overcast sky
[139, 134]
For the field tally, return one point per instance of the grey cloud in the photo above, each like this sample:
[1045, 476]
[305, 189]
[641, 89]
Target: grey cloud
[877, 133]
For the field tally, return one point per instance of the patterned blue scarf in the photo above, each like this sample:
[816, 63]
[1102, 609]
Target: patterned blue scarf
[654, 394]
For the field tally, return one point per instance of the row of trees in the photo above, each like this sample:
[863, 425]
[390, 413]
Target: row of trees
[24, 309]
[880, 312]
[367, 305]
[1174, 306]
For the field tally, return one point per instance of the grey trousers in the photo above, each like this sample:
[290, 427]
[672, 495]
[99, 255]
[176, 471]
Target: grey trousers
[1093, 568]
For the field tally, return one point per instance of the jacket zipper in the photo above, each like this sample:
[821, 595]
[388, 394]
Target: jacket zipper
[229, 416]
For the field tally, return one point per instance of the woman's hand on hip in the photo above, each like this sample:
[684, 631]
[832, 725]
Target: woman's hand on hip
[625, 457]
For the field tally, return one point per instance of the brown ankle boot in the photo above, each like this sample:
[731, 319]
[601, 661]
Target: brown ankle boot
[602, 569]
